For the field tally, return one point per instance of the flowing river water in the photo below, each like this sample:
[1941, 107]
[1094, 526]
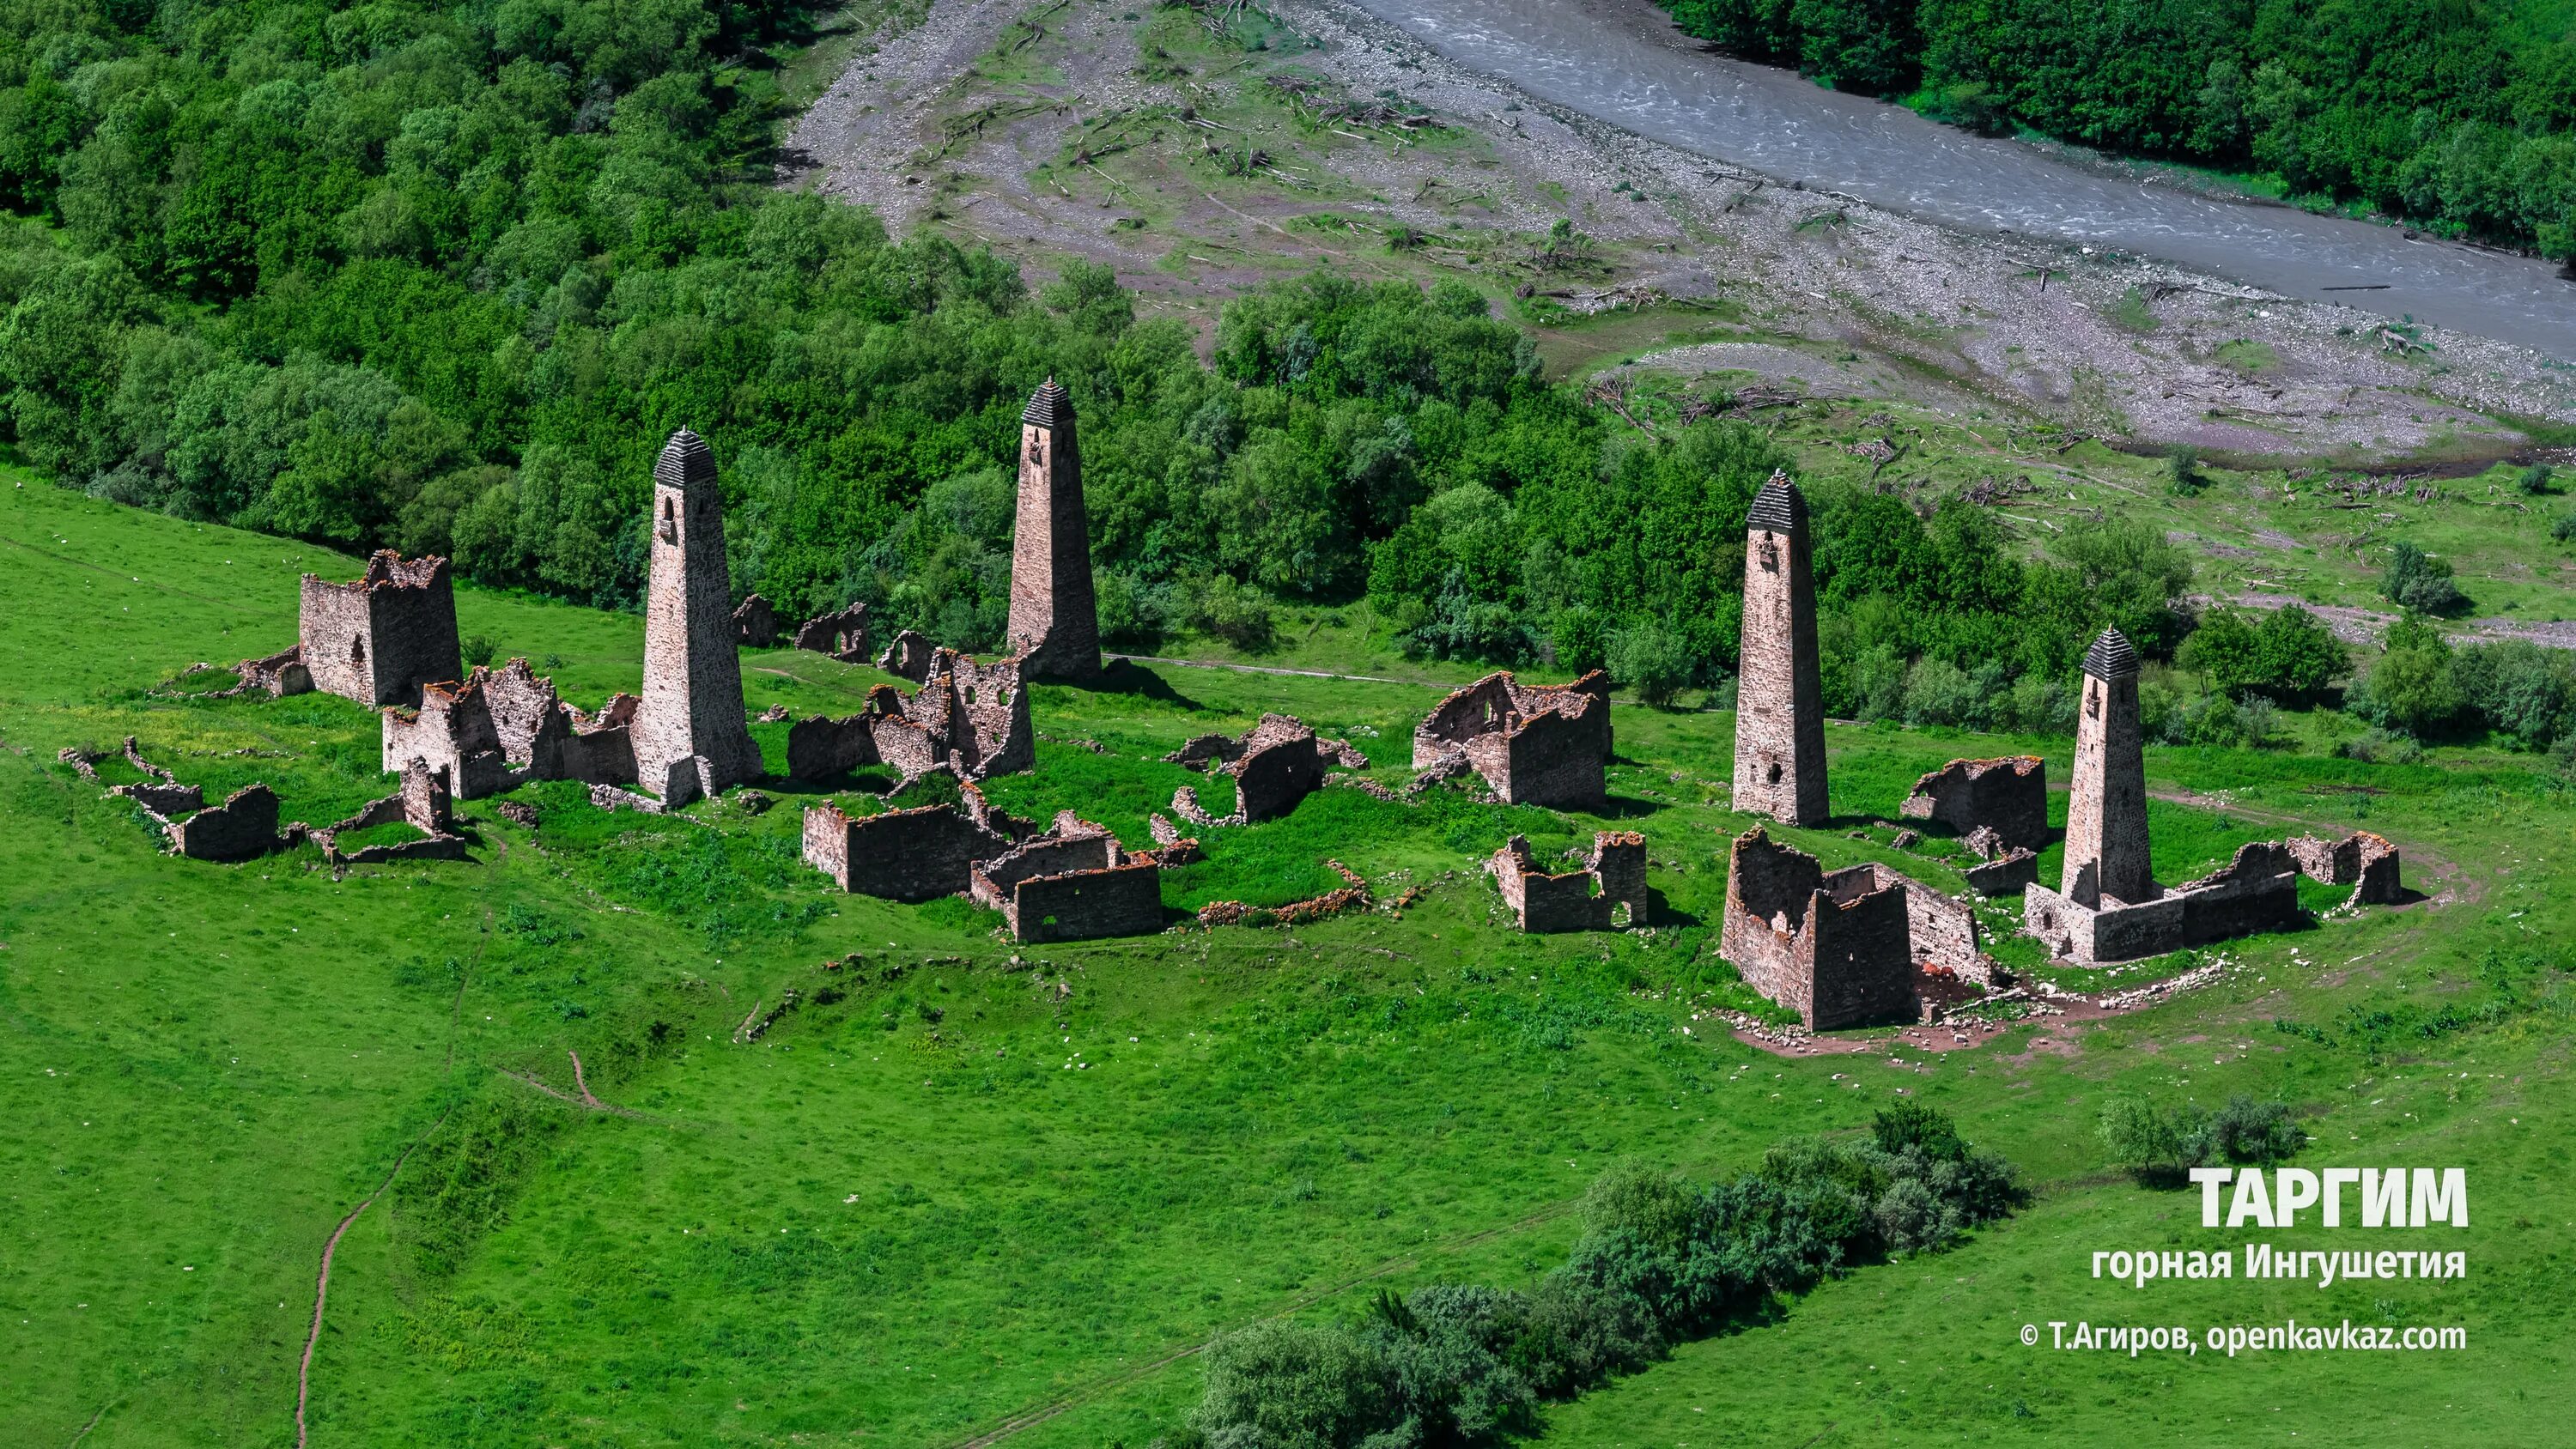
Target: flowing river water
[1621, 61]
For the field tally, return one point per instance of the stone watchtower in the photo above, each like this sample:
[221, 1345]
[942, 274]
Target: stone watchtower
[1055, 629]
[2106, 815]
[1780, 700]
[689, 734]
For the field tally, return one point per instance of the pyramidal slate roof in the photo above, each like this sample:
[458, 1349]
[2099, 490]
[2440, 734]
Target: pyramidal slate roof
[686, 461]
[1778, 508]
[2111, 657]
[1048, 407]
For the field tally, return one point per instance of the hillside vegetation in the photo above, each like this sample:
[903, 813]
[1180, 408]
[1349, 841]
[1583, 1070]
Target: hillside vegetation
[960, 1183]
[2459, 116]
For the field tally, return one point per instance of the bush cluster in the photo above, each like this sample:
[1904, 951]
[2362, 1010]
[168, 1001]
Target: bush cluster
[2424, 686]
[2161, 1144]
[1660, 1260]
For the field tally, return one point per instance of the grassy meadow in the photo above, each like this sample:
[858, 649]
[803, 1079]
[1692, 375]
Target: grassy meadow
[958, 1188]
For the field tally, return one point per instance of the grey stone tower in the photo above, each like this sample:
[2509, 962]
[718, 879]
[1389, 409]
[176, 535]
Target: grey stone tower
[1780, 700]
[1055, 628]
[690, 739]
[2106, 813]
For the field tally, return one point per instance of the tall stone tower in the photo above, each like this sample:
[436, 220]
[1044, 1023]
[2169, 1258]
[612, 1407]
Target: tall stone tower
[1780, 700]
[690, 739]
[2106, 815]
[1054, 627]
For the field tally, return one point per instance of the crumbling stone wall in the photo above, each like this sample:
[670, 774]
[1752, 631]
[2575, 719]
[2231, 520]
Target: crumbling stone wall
[690, 736]
[1940, 932]
[2256, 891]
[2361, 860]
[2004, 875]
[1119, 900]
[1835, 948]
[1609, 892]
[918, 854]
[843, 635]
[1534, 744]
[243, 827]
[2007, 797]
[1275, 764]
[755, 623]
[967, 718]
[275, 675]
[908, 656]
[1055, 623]
[423, 803]
[383, 636]
[2106, 810]
[500, 729]
[1780, 694]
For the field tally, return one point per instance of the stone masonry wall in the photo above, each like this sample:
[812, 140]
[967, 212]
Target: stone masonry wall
[902, 855]
[1122, 900]
[2008, 796]
[1780, 708]
[1835, 948]
[1534, 744]
[1619, 864]
[242, 827]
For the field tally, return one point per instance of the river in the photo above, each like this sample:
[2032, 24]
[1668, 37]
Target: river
[1621, 61]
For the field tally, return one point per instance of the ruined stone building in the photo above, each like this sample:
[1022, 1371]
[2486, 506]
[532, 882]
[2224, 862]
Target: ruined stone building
[1055, 627]
[2106, 810]
[969, 719]
[755, 623]
[843, 635]
[1072, 882]
[690, 738]
[908, 656]
[1780, 694]
[1275, 764]
[1535, 744]
[1607, 893]
[380, 637]
[501, 728]
[424, 803]
[1836, 947]
[242, 827]
[2108, 906]
[2361, 860]
[2008, 796]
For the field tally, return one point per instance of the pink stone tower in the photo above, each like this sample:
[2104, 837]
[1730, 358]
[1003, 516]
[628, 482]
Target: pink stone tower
[2106, 813]
[690, 739]
[1055, 629]
[1780, 699]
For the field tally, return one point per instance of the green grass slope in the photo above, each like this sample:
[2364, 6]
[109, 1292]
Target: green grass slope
[955, 1185]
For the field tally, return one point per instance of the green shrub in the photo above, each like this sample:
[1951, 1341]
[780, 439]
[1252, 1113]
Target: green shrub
[1650, 659]
[2421, 583]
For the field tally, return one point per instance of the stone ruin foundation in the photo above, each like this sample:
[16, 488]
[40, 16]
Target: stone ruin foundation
[1072, 882]
[424, 803]
[382, 636]
[1351, 894]
[245, 826]
[1840, 948]
[969, 719]
[1534, 744]
[2361, 860]
[499, 729]
[1609, 892]
[843, 635]
[910, 656]
[1275, 764]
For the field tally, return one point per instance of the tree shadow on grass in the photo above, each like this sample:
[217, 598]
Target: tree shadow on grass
[1126, 676]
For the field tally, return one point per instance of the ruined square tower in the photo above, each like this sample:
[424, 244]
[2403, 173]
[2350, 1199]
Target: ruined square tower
[2106, 814]
[1780, 700]
[1055, 628]
[378, 638]
[689, 734]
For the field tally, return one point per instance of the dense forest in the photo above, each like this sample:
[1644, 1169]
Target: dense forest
[443, 277]
[2459, 114]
